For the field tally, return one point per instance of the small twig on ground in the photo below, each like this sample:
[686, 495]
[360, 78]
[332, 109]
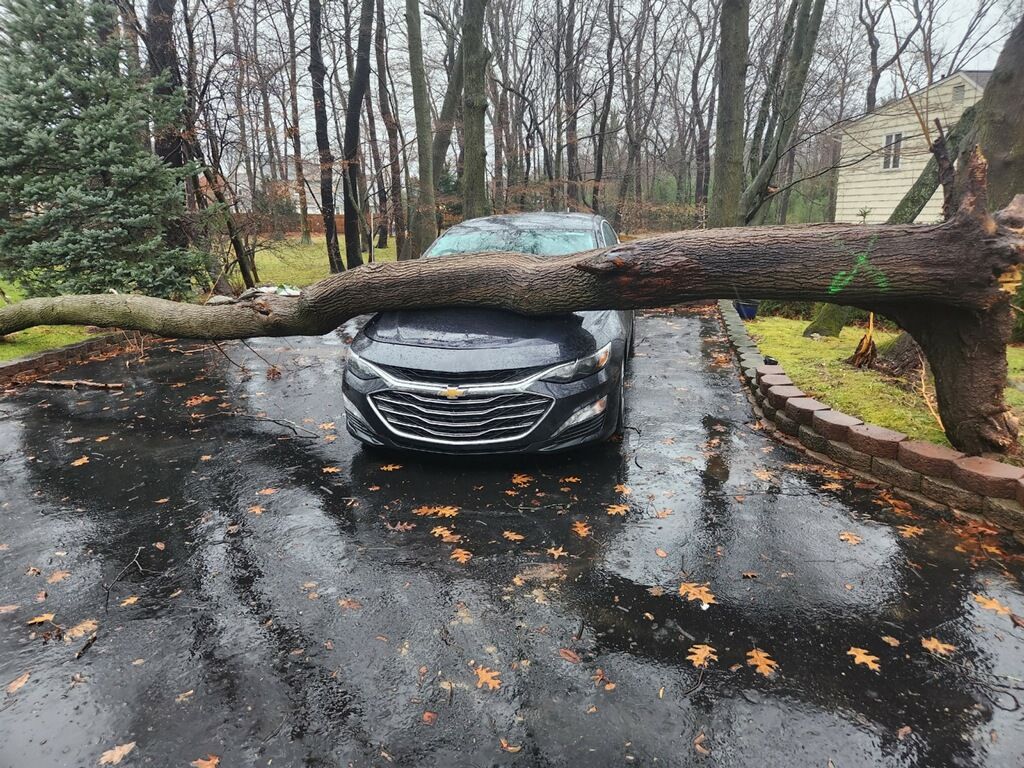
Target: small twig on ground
[87, 646]
[108, 587]
[310, 434]
[928, 400]
[76, 383]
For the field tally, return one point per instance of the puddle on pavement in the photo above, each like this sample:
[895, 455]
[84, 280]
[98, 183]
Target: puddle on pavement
[266, 591]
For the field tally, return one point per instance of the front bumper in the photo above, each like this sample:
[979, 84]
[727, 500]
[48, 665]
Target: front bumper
[368, 420]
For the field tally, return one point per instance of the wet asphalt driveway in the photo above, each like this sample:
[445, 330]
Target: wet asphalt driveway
[230, 576]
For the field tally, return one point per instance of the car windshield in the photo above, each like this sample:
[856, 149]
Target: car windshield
[549, 242]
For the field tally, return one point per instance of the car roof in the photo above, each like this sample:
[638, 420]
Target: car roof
[568, 221]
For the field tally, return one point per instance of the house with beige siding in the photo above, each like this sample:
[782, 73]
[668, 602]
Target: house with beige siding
[885, 151]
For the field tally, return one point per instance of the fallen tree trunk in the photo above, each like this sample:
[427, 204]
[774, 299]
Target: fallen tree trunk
[942, 282]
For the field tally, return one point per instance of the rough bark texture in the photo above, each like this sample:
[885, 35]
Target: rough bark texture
[387, 116]
[724, 210]
[356, 94]
[474, 107]
[422, 229]
[323, 144]
[293, 131]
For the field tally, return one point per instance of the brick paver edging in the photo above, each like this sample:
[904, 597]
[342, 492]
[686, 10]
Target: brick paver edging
[939, 477]
[24, 369]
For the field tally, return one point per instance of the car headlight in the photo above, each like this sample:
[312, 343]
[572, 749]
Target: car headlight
[359, 367]
[579, 369]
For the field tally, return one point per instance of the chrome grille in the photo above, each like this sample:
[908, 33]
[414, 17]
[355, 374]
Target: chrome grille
[461, 378]
[483, 418]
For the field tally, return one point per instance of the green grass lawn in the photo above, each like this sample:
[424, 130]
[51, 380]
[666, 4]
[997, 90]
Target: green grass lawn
[289, 262]
[817, 367]
[36, 339]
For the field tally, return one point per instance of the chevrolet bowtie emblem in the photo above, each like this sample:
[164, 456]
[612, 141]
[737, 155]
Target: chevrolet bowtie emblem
[452, 393]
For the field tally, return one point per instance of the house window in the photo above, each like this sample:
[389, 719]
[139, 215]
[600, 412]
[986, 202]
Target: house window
[958, 95]
[891, 150]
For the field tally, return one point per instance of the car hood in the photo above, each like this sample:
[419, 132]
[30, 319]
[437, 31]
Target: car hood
[434, 338]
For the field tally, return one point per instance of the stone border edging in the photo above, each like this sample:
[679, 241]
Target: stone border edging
[938, 476]
[22, 370]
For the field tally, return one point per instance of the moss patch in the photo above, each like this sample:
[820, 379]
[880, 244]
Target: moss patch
[817, 367]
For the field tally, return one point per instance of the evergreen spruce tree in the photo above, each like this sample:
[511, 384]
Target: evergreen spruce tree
[84, 203]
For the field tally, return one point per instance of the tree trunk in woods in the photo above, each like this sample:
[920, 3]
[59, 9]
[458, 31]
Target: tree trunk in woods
[474, 107]
[323, 144]
[445, 123]
[387, 116]
[293, 130]
[356, 93]
[727, 176]
[422, 230]
[940, 282]
[606, 108]
[241, 111]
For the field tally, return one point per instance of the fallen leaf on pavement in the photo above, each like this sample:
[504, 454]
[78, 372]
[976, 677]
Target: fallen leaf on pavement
[581, 529]
[660, 552]
[58, 576]
[936, 646]
[117, 754]
[909, 531]
[520, 479]
[890, 640]
[861, 656]
[331, 470]
[617, 509]
[390, 467]
[693, 591]
[7, 609]
[557, 552]
[42, 618]
[429, 717]
[80, 461]
[267, 492]
[701, 655]
[625, 490]
[210, 761]
[81, 629]
[850, 538]
[991, 604]
[16, 684]
[513, 748]
[131, 600]
[513, 536]
[762, 662]
[462, 556]
[698, 744]
[569, 655]
[181, 698]
[488, 677]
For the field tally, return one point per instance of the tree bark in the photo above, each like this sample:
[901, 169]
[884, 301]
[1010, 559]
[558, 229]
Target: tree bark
[445, 122]
[941, 282]
[724, 210]
[474, 107]
[293, 130]
[323, 144]
[387, 116]
[356, 93]
[423, 230]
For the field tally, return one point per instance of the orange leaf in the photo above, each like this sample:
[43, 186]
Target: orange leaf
[462, 556]
[267, 492]
[58, 576]
[861, 656]
[42, 618]
[850, 538]
[16, 684]
[693, 591]
[390, 467]
[569, 480]
[557, 552]
[429, 717]
[513, 748]
[117, 754]
[210, 761]
[660, 552]
[81, 629]
[625, 490]
[581, 529]
[521, 480]
[991, 604]
[80, 461]
[762, 662]
[617, 509]
[488, 677]
[936, 646]
[569, 655]
[330, 470]
[701, 655]
[909, 531]
[131, 600]
[513, 536]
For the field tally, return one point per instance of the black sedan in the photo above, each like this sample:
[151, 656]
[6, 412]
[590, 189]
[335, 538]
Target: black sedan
[471, 380]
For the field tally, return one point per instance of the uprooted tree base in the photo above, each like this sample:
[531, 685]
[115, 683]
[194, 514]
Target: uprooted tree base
[940, 282]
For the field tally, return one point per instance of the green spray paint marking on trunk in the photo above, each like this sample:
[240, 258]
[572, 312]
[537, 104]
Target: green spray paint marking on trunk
[861, 266]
